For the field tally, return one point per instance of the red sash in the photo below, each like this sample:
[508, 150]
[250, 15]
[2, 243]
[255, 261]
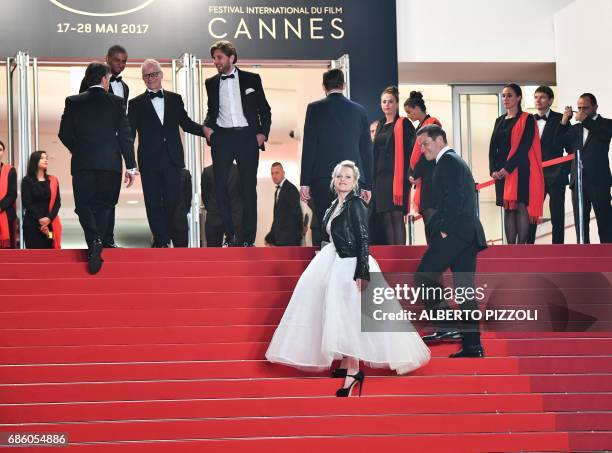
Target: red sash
[398, 173]
[414, 160]
[56, 225]
[5, 237]
[536, 176]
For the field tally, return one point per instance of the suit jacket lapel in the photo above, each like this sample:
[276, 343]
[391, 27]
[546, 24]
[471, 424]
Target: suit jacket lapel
[586, 143]
[240, 84]
[166, 108]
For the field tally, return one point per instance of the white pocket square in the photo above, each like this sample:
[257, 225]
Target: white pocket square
[249, 91]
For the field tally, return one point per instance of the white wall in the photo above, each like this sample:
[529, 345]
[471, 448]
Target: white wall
[477, 30]
[583, 33]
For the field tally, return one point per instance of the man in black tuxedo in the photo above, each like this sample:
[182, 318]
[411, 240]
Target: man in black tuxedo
[288, 222]
[237, 125]
[97, 133]
[213, 226]
[116, 58]
[455, 238]
[592, 135]
[156, 116]
[335, 129]
[555, 177]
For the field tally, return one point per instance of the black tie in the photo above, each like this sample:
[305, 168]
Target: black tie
[538, 117]
[231, 76]
[158, 94]
[115, 78]
[276, 194]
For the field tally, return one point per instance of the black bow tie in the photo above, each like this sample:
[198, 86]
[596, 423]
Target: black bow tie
[231, 76]
[159, 94]
[538, 117]
[115, 78]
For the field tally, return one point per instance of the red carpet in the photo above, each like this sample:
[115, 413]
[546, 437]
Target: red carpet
[163, 351]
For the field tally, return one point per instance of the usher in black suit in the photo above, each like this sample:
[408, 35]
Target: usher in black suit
[596, 174]
[454, 196]
[96, 131]
[555, 177]
[335, 129]
[240, 143]
[109, 237]
[160, 157]
[288, 222]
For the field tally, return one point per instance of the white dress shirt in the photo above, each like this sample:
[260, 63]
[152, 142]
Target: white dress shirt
[117, 89]
[585, 132]
[542, 123]
[230, 103]
[441, 153]
[158, 105]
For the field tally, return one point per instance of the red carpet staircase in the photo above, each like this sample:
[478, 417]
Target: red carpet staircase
[163, 351]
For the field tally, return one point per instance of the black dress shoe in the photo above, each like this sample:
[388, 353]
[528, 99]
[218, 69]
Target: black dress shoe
[476, 352]
[443, 336]
[248, 244]
[231, 241]
[110, 245]
[94, 257]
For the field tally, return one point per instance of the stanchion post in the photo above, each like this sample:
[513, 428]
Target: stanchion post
[477, 200]
[410, 229]
[579, 186]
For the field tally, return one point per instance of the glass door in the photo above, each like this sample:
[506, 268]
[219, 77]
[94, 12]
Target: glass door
[343, 64]
[475, 109]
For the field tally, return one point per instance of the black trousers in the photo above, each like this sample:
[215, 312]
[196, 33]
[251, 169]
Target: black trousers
[322, 197]
[238, 144]
[34, 239]
[460, 257]
[556, 202]
[95, 195]
[597, 196]
[161, 189]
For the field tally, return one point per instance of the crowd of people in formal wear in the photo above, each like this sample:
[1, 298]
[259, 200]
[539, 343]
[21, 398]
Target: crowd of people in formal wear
[396, 178]
[356, 177]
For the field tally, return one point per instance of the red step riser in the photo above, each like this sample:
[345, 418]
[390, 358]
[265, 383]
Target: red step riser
[257, 369]
[276, 253]
[168, 352]
[177, 269]
[590, 441]
[279, 407]
[262, 369]
[289, 387]
[145, 301]
[102, 285]
[142, 318]
[463, 443]
[307, 426]
[135, 335]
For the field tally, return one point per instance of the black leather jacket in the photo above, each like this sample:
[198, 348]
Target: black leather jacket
[349, 231]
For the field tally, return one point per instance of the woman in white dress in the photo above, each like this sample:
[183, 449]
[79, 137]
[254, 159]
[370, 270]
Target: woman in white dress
[322, 321]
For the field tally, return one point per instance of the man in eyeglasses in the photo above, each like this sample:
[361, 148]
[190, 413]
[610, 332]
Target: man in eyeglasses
[156, 115]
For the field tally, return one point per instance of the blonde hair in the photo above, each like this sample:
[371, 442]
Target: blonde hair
[346, 164]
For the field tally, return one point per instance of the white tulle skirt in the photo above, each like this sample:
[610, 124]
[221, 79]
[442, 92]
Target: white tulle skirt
[322, 323]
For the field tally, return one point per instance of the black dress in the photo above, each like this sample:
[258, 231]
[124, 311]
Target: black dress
[7, 204]
[384, 165]
[35, 197]
[498, 156]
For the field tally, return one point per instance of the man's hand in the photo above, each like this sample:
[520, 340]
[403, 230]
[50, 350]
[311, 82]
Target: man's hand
[130, 178]
[366, 195]
[581, 116]
[567, 115]
[44, 221]
[261, 138]
[305, 193]
[207, 133]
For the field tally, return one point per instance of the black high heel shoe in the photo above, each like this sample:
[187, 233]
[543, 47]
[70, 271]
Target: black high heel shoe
[339, 373]
[346, 391]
